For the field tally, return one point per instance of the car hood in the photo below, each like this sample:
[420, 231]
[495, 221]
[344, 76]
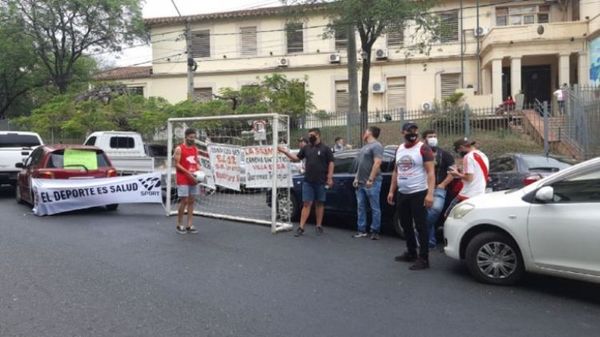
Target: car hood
[497, 199]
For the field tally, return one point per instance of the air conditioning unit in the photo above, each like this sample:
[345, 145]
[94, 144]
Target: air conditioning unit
[480, 31]
[426, 106]
[381, 54]
[335, 58]
[283, 63]
[378, 88]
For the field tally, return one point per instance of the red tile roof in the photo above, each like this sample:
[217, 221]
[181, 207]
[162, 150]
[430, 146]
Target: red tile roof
[124, 73]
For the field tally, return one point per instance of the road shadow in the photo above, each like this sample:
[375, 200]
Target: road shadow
[7, 192]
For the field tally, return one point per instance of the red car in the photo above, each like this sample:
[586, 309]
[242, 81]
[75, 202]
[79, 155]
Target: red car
[47, 162]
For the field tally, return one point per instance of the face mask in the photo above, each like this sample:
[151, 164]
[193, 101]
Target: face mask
[411, 137]
[312, 139]
[432, 142]
[189, 142]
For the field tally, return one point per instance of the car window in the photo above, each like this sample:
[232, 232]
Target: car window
[344, 165]
[17, 140]
[544, 163]
[56, 159]
[122, 142]
[35, 157]
[502, 164]
[583, 188]
[388, 164]
[91, 141]
[157, 150]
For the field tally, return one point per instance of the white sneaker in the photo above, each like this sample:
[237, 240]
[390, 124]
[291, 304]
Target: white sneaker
[359, 235]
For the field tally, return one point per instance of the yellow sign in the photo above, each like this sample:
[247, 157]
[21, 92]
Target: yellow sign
[79, 159]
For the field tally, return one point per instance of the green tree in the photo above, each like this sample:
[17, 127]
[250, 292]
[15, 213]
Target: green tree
[62, 31]
[372, 19]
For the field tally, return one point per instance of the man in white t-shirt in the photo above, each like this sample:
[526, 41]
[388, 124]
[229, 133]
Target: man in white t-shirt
[559, 94]
[474, 173]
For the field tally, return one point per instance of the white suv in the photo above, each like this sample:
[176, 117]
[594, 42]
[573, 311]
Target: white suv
[15, 147]
[550, 227]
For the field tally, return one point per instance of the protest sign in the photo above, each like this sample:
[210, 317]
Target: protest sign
[225, 162]
[259, 168]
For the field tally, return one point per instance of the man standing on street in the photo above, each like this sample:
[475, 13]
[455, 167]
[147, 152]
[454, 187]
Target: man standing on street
[443, 160]
[413, 183]
[318, 174]
[475, 170]
[368, 183]
[186, 163]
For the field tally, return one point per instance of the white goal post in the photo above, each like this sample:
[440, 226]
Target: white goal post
[246, 178]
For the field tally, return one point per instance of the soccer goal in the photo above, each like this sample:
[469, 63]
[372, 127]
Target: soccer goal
[243, 172]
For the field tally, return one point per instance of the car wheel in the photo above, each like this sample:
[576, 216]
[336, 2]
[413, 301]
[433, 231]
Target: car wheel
[494, 258]
[396, 223]
[112, 207]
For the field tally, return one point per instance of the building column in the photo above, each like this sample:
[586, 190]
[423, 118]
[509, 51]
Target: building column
[486, 79]
[496, 82]
[563, 69]
[515, 76]
[582, 69]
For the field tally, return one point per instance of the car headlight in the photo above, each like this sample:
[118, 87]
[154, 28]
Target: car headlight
[461, 210]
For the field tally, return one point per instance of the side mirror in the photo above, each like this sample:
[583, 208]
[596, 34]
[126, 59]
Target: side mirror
[20, 165]
[545, 194]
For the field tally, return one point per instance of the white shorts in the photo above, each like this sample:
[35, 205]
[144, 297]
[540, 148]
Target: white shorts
[184, 191]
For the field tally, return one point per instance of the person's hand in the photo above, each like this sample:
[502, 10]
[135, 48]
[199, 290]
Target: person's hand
[369, 183]
[282, 149]
[428, 200]
[390, 198]
[454, 172]
[441, 187]
[330, 182]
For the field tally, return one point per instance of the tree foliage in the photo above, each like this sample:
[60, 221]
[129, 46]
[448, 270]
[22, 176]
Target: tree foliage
[61, 32]
[372, 19]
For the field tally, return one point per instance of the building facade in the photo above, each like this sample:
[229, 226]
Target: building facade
[489, 51]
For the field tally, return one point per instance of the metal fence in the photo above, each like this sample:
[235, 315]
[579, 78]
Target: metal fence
[449, 123]
[582, 120]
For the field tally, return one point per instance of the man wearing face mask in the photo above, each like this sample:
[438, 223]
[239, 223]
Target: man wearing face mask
[443, 161]
[368, 183]
[318, 174]
[475, 170]
[186, 163]
[412, 186]
[340, 144]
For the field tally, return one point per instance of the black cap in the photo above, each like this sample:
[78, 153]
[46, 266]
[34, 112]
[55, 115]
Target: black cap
[409, 125]
[463, 142]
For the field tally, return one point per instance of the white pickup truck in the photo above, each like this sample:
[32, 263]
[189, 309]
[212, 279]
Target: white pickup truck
[125, 150]
[15, 146]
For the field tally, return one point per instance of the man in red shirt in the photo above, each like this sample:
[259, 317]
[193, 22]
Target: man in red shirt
[186, 163]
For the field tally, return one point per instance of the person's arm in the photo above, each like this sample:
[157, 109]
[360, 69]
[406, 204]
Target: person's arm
[430, 169]
[449, 160]
[468, 168]
[393, 187]
[292, 157]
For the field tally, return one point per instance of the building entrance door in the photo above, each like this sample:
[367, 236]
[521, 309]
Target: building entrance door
[536, 82]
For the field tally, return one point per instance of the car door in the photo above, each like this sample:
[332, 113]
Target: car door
[564, 233]
[31, 165]
[342, 198]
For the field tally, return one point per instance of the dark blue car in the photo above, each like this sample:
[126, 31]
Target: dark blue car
[341, 199]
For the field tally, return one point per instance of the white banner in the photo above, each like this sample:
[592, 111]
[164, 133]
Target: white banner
[225, 161]
[259, 168]
[61, 195]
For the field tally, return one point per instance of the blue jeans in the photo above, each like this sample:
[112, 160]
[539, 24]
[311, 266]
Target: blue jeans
[433, 214]
[373, 196]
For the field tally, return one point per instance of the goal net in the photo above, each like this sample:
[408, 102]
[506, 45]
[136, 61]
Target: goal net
[243, 172]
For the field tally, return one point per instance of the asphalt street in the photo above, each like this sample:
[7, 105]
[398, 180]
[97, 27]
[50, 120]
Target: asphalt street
[127, 273]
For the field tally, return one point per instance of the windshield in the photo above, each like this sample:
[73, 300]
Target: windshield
[544, 163]
[17, 140]
[57, 160]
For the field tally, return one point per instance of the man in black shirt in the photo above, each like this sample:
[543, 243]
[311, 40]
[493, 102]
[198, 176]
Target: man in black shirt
[443, 161]
[318, 173]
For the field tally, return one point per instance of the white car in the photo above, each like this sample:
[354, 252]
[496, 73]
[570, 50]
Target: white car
[551, 226]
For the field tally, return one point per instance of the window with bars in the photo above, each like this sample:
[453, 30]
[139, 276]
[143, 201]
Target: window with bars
[449, 26]
[450, 83]
[134, 91]
[201, 43]
[342, 97]
[248, 36]
[203, 94]
[396, 92]
[395, 37]
[295, 38]
[522, 15]
[341, 39]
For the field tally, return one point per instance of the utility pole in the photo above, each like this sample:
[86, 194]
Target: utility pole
[352, 82]
[190, 60]
[477, 36]
[462, 48]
